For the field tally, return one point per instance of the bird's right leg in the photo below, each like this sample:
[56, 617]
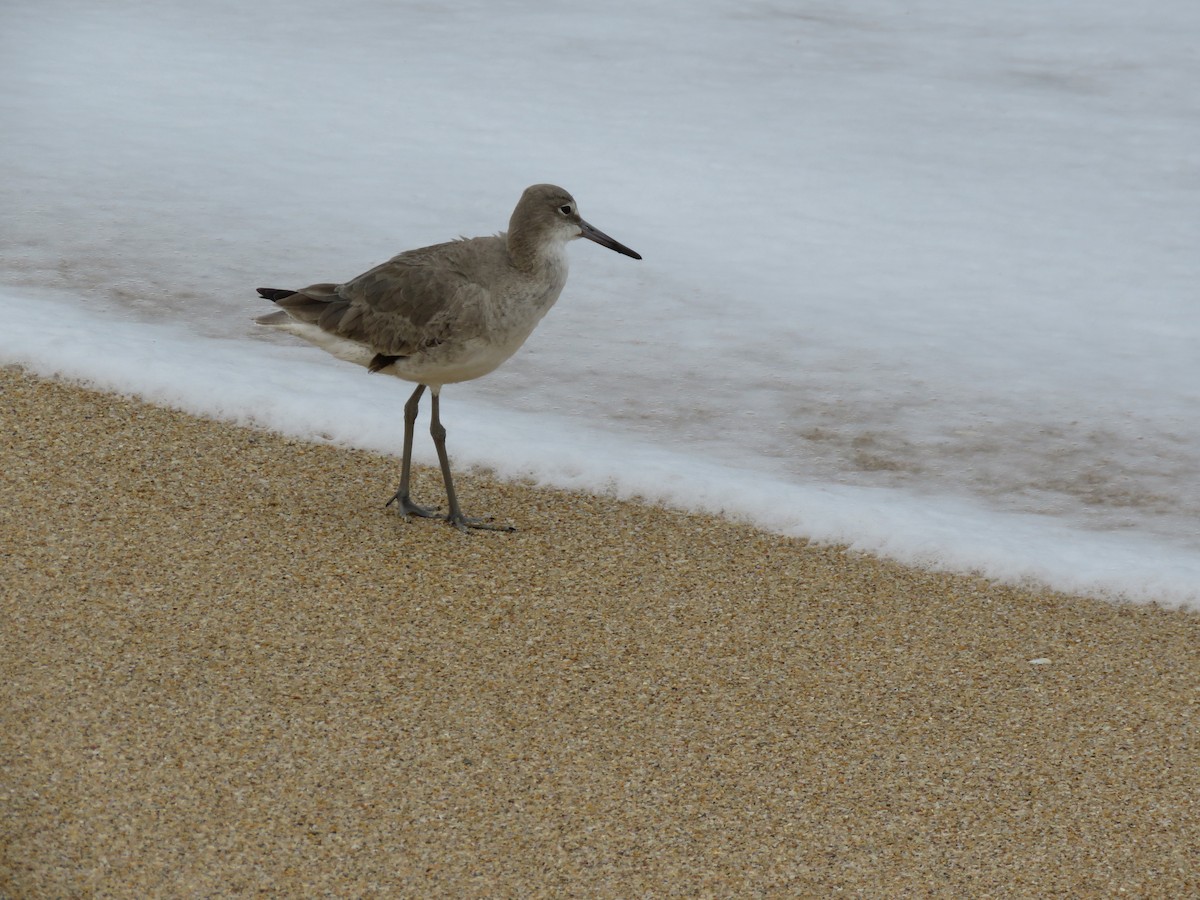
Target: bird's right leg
[455, 516]
[401, 498]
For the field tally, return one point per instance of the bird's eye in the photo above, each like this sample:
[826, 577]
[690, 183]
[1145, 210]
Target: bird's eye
[565, 210]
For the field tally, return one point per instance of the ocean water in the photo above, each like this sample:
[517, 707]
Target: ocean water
[919, 280]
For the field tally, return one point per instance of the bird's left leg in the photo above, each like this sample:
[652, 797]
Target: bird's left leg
[401, 498]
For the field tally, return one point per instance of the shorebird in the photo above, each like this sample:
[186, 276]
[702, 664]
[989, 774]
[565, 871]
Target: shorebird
[444, 314]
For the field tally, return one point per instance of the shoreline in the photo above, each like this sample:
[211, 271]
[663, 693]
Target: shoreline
[232, 670]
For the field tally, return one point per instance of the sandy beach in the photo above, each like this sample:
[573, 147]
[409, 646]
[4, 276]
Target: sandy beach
[230, 671]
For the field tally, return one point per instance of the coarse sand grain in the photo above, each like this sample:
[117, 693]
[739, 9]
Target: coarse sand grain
[230, 671]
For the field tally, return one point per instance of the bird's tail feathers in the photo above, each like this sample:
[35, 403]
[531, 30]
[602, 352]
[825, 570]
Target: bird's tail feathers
[273, 318]
[274, 294]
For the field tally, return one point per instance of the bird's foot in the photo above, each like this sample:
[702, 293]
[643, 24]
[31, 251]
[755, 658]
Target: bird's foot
[407, 508]
[463, 523]
[466, 523]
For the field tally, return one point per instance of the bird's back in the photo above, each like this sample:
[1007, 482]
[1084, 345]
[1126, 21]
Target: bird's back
[419, 298]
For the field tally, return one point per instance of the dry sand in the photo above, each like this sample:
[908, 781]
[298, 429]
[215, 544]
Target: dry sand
[229, 671]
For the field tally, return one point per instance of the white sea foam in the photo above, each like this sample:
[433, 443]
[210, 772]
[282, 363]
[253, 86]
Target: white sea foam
[919, 281]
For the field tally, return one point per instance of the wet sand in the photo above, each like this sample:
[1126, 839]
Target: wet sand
[230, 671]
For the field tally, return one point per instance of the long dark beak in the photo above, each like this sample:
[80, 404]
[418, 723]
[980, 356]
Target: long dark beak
[595, 234]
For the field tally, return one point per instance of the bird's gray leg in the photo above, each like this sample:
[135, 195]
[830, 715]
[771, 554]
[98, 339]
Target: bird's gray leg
[400, 498]
[455, 516]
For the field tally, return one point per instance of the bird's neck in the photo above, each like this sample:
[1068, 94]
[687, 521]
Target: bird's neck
[537, 257]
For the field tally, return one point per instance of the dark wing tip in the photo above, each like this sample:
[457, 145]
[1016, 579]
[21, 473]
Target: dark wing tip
[274, 294]
[381, 361]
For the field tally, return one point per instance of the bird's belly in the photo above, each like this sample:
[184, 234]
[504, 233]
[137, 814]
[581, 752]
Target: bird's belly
[452, 363]
[447, 363]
